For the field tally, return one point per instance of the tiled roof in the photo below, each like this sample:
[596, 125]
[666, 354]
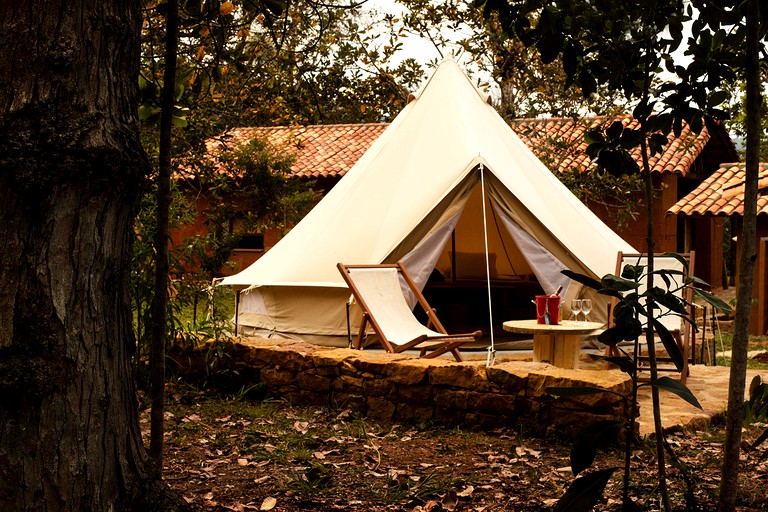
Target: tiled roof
[723, 193]
[560, 142]
[321, 150]
[331, 150]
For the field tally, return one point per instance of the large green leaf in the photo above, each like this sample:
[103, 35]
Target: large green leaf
[676, 387]
[619, 284]
[584, 492]
[625, 364]
[669, 344]
[590, 438]
[611, 336]
[581, 278]
[669, 300]
[678, 257]
[632, 272]
[714, 301]
[760, 439]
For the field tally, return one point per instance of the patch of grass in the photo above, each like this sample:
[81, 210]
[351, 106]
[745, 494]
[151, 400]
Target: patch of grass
[400, 487]
[316, 478]
[283, 434]
[725, 342]
[194, 315]
[751, 363]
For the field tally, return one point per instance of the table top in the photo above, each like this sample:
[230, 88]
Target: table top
[564, 327]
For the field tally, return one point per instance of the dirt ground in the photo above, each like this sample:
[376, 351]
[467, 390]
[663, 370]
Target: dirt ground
[250, 452]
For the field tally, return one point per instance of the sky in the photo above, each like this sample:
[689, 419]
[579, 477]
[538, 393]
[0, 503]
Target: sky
[422, 50]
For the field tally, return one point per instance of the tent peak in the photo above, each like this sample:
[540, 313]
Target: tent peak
[445, 67]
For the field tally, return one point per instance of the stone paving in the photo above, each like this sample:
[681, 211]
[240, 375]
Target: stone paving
[709, 384]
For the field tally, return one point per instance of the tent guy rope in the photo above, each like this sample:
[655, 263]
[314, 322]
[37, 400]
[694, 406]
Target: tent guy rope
[491, 359]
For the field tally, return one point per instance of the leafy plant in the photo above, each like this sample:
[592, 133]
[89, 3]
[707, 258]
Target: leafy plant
[630, 318]
[756, 410]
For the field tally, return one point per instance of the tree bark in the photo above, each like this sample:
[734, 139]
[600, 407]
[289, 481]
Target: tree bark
[71, 166]
[732, 445]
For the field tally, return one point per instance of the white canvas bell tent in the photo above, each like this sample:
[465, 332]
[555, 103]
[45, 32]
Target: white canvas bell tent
[448, 151]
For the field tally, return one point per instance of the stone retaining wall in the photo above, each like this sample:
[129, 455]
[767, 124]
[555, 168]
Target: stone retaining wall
[404, 388]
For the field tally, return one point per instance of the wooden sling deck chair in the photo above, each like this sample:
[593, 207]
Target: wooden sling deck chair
[680, 329]
[376, 289]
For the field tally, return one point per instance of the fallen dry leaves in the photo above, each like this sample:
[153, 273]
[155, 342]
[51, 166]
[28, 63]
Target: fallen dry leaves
[243, 455]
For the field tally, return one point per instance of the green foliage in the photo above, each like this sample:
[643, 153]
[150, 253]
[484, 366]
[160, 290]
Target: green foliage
[142, 267]
[674, 386]
[585, 492]
[756, 409]
[263, 63]
[629, 315]
[617, 195]
[631, 312]
[630, 48]
[529, 87]
[246, 190]
[738, 121]
[625, 46]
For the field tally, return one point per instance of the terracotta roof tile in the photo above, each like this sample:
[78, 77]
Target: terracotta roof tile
[723, 193]
[565, 137]
[321, 150]
[331, 150]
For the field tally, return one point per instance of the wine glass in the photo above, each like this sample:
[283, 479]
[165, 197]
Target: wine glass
[576, 306]
[586, 307]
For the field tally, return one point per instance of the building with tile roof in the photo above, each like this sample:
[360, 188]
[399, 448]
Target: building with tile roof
[681, 166]
[721, 196]
[324, 153]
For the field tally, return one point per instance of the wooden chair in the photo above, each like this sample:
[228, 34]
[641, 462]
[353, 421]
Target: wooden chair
[378, 292]
[679, 329]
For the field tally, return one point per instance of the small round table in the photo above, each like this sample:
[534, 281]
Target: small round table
[555, 344]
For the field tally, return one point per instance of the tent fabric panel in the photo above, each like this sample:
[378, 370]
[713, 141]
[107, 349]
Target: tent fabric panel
[511, 208]
[466, 259]
[544, 264]
[451, 205]
[297, 309]
[420, 262]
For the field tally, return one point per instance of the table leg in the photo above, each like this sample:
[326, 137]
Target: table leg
[544, 348]
[558, 350]
[567, 349]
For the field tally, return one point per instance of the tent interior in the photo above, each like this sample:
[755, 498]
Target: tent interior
[458, 287]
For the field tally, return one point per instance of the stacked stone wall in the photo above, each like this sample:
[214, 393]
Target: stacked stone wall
[407, 389]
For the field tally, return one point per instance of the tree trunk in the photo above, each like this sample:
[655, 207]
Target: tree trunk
[163, 197]
[738, 376]
[71, 165]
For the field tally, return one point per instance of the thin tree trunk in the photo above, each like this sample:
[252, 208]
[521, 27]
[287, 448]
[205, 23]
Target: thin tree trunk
[650, 303]
[71, 165]
[732, 445]
[160, 295]
[649, 335]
